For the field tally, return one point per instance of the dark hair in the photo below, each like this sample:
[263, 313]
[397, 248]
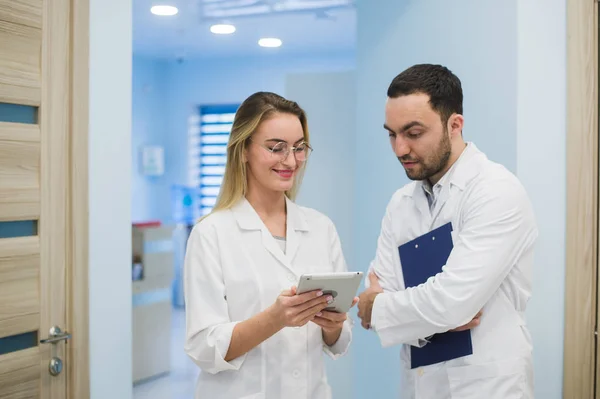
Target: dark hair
[438, 82]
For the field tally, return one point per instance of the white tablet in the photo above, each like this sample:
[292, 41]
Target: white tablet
[342, 287]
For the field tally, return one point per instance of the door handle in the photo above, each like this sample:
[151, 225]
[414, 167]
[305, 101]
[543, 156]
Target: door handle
[56, 335]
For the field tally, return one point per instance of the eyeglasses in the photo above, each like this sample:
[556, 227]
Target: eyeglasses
[281, 150]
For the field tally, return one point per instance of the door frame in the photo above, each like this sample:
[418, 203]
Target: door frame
[78, 357]
[580, 368]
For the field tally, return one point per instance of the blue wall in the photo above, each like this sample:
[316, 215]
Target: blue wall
[166, 93]
[110, 114]
[541, 144]
[149, 127]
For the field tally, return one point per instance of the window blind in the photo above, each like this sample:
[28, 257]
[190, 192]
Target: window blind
[208, 135]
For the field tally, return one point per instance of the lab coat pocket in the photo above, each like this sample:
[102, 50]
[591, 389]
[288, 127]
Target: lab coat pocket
[503, 379]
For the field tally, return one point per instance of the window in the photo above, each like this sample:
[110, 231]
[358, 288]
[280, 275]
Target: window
[208, 136]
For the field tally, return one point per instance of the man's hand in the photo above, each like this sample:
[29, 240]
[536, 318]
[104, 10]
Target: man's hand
[366, 300]
[472, 324]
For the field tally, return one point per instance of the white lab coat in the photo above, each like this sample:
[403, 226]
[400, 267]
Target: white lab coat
[489, 269]
[235, 269]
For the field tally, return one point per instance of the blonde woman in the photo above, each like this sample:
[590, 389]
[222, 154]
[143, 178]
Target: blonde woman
[247, 330]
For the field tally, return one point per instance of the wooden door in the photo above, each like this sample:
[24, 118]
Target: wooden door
[38, 202]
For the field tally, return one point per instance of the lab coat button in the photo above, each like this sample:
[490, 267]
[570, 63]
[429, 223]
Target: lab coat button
[296, 374]
[292, 278]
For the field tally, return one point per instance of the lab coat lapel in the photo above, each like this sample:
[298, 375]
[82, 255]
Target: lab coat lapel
[420, 201]
[296, 225]
[439, 204]
[248, 220]
[274, 249]
[467, 167]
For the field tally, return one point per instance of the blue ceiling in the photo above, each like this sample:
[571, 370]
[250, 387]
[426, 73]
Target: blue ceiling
[304, 26]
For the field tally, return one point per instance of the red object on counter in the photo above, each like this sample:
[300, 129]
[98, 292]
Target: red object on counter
[151, 223]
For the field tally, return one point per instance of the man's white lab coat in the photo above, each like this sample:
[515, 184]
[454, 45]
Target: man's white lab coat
[489, 269]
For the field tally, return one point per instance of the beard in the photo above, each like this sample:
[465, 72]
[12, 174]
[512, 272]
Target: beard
[434, 164]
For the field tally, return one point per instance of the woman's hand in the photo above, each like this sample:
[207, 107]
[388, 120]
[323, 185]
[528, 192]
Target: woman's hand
[332, 321]
[331, 324]
[291, 310]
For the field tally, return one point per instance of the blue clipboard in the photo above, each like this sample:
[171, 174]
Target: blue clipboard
[421, 259]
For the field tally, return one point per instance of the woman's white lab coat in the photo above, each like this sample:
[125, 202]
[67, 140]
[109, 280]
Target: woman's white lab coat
[235, 269]
[489, 269]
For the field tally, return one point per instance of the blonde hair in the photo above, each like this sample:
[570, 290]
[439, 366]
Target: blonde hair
[253, 111]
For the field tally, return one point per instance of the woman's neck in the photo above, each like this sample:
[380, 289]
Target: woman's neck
[266, 203]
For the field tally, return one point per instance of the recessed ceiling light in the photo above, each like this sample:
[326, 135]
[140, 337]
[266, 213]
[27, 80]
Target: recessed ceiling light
[269, 42]
[222, 29]
[164, 10]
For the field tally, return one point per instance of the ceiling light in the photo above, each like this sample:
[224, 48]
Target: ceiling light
[164, 10]
[222, 29]
[269, 42]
